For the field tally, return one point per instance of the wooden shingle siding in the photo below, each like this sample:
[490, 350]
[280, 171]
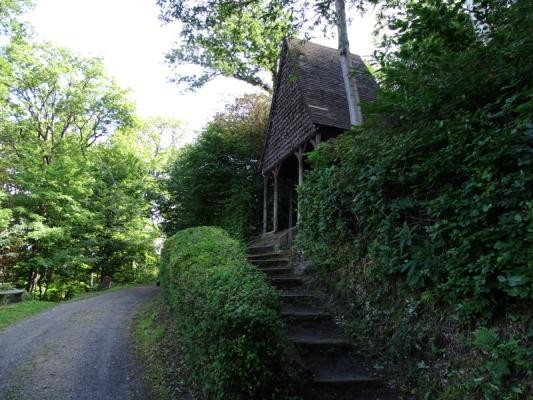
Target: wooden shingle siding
[290, 123]
[309, 93]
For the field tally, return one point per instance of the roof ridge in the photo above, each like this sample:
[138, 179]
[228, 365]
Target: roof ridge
[306, 42]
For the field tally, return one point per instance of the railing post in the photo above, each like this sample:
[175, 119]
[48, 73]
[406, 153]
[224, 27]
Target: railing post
[265, 204]
[275, 173]
[300, 156]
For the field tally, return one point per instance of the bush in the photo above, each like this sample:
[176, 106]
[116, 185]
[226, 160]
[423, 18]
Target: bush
[227, 315]
[421, 219]
[6, 286]
[437, 187]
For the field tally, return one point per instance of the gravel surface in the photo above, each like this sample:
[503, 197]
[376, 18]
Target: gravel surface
[80, 350]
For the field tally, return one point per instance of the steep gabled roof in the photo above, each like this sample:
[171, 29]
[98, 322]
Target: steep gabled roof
[309, 94]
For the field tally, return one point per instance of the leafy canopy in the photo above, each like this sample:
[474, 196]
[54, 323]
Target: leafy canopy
[217, 180]
[72, 197]
[239, 39]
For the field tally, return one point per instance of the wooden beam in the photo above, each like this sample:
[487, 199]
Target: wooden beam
[290, 208]
[265, 204]
[316, 141]
[300, 156]
[275, 173]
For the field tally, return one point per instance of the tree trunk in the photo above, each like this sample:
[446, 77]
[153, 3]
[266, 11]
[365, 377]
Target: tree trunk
[352, 95]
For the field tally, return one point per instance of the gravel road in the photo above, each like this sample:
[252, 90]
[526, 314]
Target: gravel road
[80, 350]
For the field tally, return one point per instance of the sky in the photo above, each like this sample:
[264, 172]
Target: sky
[132, 41]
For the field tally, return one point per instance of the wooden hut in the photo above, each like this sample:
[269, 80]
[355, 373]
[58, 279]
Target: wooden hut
[308, 106]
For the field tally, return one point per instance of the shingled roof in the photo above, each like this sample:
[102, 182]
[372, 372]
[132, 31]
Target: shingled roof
[309, 95]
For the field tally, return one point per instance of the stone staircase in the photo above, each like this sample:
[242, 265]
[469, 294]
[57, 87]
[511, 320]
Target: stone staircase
[333, 368]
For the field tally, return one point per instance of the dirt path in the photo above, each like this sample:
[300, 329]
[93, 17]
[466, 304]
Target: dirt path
[80, 350]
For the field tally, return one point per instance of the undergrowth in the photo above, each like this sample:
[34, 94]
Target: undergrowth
[421, 221]
[158, 344]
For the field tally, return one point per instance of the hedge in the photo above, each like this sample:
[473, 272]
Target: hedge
[227, 314]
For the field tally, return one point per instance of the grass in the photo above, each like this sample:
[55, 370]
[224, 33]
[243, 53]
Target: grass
[13, 313]
[157, 344]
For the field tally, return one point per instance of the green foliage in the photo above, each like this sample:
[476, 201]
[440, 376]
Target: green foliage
[241, 40]
[12, 313]
[505, 359]
[230, 39]
[227, 315]
[438, 189]
[72, 187]
[217, 180]
[158, 341]
[10, 11]
[430, 201]
[6, 286]
[122, 235]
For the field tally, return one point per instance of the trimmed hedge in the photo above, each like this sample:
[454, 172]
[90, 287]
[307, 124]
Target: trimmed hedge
[227, 314]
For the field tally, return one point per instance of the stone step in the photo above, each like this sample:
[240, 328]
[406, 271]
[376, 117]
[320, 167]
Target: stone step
[355, 390]
[344, 365]
[334, 369]
[301, 313]
[285, 281]
[263, 256]
[316, 334]
[295, 298]
[277, 271]
[273, 262]
[260, 249]
[330, 343]
[348, 384]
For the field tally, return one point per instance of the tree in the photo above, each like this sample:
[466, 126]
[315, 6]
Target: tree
[121, 233]
[234, 39]
[160, 137]
[436, 189]
[56, 109]
[217, 180]
[350, 86]
[422, 219]
[10, 11]
[60, 101]
[242, 40]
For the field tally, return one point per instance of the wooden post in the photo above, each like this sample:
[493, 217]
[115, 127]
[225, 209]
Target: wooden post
[316, 141]
[275, 173]
[265, 204]
[300, 156]
[290, 213]
[291, 208]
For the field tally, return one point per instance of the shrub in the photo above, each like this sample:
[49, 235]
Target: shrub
[227, 315]
[437, 187]
[6, 286]
[421, 219]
